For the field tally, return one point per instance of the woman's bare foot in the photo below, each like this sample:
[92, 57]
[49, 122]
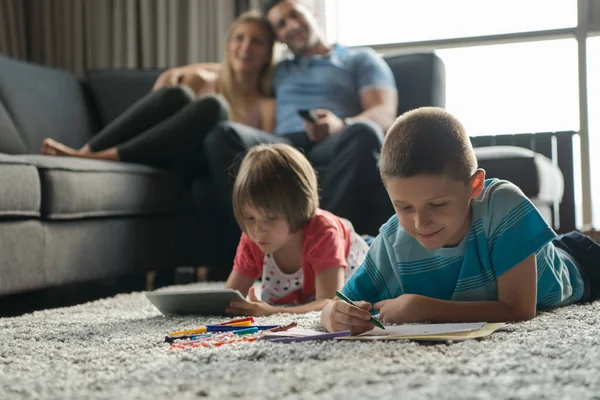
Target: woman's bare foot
[51, 147]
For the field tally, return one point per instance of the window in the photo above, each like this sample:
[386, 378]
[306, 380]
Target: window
[360, 22]
[514, 88]
[527, 84]
[593, 87]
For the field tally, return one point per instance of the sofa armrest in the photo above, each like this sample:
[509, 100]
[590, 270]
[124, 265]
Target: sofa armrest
[532, 172]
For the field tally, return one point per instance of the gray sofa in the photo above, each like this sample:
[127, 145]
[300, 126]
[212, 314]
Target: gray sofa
[64, 220]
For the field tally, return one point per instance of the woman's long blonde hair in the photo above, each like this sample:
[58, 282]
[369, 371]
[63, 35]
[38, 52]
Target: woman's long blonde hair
[226, 79]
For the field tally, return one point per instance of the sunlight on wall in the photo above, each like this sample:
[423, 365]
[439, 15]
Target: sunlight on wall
[514, 88]
[593, 70]
[389, 21]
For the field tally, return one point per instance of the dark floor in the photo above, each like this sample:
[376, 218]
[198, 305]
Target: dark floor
[69, 295]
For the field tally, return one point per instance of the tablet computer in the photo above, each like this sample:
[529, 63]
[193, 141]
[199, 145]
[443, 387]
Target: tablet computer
[193, 302]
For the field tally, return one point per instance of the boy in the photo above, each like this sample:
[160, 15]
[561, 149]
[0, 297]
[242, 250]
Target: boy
[460, 247]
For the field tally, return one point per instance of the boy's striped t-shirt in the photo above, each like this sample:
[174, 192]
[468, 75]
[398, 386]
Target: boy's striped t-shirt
[506, 229]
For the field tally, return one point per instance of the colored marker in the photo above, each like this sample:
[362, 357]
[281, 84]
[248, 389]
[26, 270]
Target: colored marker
[197, 342]
[347, 300]
[283, 328]
[203, 336]
[229, 328]
[323, 336]
[217, 344]
[202, 329]
[235, 321]
[172, 339]
[246, 331]
[242, 323]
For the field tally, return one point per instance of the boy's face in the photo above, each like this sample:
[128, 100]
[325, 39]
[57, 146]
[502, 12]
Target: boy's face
[434, 209]
[268, 230]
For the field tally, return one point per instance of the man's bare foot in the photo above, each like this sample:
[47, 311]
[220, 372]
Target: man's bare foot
[51, 147]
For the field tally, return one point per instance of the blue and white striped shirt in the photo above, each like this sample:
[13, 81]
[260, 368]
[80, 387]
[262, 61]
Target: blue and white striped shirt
[506, 229]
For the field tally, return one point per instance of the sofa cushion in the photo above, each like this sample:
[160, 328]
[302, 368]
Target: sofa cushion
[20, 188]
[114, 90]
[44, 102]
[81, 188]
[532, 172]
[420, 78]
[10, 140]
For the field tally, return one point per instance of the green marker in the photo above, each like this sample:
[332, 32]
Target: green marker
[347, 300]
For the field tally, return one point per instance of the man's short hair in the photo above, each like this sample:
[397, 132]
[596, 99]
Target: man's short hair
[427, 140]
[266, 5]
[279, 179]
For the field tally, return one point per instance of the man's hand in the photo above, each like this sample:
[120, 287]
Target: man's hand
[253, 306]
[400, 310]
[327, 124]
[341, 316]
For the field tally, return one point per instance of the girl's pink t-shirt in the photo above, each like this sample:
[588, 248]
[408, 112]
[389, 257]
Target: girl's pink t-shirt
[326, 244]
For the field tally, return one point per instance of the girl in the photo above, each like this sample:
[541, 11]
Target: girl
[166, 129]
[302, 253]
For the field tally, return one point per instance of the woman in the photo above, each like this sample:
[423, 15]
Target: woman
[166, 128]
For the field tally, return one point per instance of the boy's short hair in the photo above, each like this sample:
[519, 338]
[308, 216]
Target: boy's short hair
[427, 140]
[266, 5]
[276, 178]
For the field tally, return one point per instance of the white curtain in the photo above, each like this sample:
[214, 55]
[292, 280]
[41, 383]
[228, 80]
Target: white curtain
[77, 35]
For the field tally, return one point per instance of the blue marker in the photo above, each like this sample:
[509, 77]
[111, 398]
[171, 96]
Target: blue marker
[228, 328]
[252, 329]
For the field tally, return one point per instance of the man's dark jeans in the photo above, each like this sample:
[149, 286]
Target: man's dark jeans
[346, 165]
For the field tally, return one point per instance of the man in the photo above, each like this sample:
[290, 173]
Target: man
[353, 97]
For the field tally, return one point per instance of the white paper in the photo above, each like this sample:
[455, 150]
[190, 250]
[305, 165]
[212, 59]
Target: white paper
[295, 332]
[424, 329]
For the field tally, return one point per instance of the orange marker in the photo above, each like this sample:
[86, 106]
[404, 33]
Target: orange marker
[236, 321]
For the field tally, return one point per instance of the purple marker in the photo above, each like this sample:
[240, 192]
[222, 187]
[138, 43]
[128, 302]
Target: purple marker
[323, 336]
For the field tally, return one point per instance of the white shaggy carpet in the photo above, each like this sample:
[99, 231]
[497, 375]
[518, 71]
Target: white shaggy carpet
[114, 348]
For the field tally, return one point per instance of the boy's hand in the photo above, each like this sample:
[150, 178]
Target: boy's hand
[341, 316]
[400, 310]
[253, 306]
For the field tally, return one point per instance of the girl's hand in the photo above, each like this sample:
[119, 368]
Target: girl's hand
[400, 310]
[253, 306]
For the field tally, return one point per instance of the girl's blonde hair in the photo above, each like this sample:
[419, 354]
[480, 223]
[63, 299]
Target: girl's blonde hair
[226, 79]
[276, 178]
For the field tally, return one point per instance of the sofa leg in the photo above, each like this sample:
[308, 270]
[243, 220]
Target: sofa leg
[202, 273]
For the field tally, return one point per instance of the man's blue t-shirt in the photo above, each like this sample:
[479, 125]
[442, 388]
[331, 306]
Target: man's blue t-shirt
[333, 81]
[506, 229]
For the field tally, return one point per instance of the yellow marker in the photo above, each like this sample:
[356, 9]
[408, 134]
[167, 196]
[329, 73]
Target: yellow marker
[243, 323]
[202, 329]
